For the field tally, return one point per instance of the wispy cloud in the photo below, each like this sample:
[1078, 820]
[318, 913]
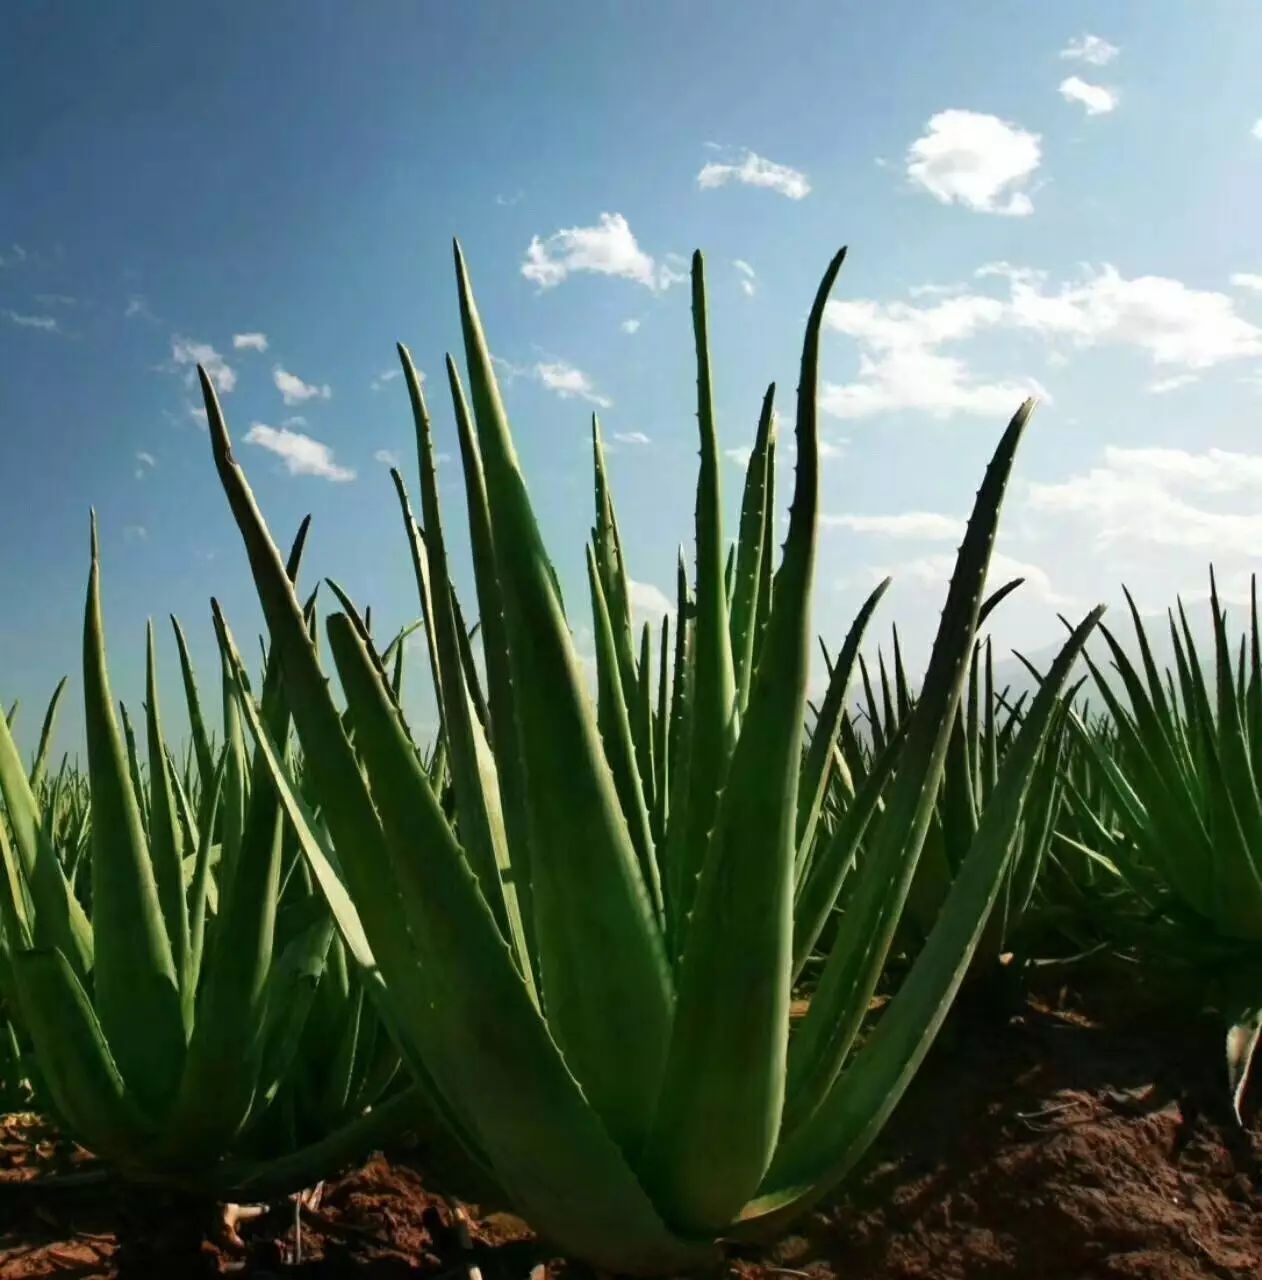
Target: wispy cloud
[294, 391]
[389, 375]
[1091, 49]
[630, 326]
[253, 341]
[903, 364]
[1098, 99]
[975, 160]
[48, 324]
[1156, 497]
[57, 299]
[1163, 386]
[753, 170]
[187, 354]
[1257, 129]
[902, 367]
[14, 255]
[387, 457]
[925, 526]
[302, 455]
[137, 308]
[608, 249]
[749, 278]
[1247, 280]
[145, 462]
[631, 437]
[567, 382]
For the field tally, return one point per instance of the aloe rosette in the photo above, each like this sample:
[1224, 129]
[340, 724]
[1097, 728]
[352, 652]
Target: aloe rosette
[165, 1018]
[587, 956]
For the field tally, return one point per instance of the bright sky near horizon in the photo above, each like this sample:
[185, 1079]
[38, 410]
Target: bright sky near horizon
[1050, 199]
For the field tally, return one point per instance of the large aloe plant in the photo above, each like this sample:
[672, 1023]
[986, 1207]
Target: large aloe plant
[165, 1021]
[1177, 812]
[588, 962]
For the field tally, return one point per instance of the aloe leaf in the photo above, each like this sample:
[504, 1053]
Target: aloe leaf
[165, 851]
[615, 728]
[751, 549]
[819, 754]
[714, 716]
[611, 1020]
[196, 718]
[489, 1023]
[75, 1061]
[858, 1103]
[135, 984]
[39, 766]
[56, 916]
[719, 1113]
[505, 734]
[475, 778]
[827, 1033]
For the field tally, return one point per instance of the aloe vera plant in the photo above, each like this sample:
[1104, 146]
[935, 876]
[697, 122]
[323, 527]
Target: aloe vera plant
[588, 958]
[165, 1019]
[985, 729]
[1176, 810]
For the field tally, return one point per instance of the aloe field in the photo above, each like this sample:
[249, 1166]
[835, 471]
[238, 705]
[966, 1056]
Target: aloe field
[643, 958]
[631, 640]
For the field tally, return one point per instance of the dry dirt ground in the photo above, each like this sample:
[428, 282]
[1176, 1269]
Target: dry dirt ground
[1081, 1137]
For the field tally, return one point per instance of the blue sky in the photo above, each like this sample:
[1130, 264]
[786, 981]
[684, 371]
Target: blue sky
[1027, 209]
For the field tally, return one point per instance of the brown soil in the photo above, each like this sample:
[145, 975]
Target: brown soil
[1082, 1138]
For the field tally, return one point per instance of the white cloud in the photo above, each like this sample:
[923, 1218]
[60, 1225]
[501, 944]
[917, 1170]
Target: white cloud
[199, 414]
[1163, 386]
[630, 326]
[188, 354]
[1156, 497]
[1257, 129]
[387, 457]
[146, 459]
[1093, 49]
[294, 391]
[1247, 280]
[934, 572]
[249, 341]
[608, 249]
[928, 526]
[47, 323]
[389, 375]
[1097, 98]
[977, 160]
[631, 437]
[567, 382]
[1173, 323]
[901, 367]
[755, 171]
[740, 455]
[303, 456]
[648, 601]
[749, 278]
